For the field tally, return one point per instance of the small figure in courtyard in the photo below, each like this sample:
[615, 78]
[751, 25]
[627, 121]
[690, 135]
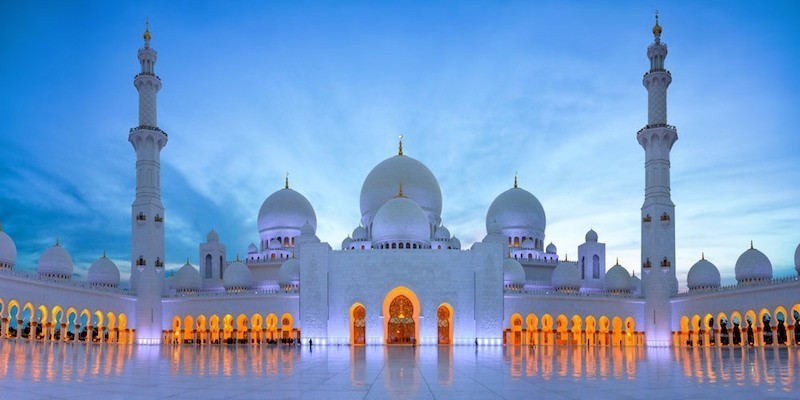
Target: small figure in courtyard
[751, 340]
[767, 329]
[723, 332]
[737, 333]
[781, 331]
[712, 340]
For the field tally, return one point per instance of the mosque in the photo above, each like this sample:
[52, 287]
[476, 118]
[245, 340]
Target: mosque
[401, 277]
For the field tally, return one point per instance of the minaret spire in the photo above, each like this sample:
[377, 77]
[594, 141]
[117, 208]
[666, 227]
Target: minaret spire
[147, 210]
[659, 280]
[400, 150]
[286, 182]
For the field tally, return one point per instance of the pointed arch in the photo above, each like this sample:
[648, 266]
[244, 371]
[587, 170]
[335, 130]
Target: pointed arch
[444, 315]
[400, 301]
[358, 324]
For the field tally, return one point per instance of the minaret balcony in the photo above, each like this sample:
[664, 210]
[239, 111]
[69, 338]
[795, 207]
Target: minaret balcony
[651, 126]
[149, 128]
[150, 74]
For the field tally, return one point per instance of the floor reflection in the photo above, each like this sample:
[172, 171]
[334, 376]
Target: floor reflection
[396, 369]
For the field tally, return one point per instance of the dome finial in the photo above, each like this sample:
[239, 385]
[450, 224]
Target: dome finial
[400, 194]
[104, 253]
[187, 260]
[703, 255]
[617, 261]
[657, 28]
[515, 178]
[751, 245]
[237, 256]
[147, 35]
[286, 184]
[57, 242]
[400, 151]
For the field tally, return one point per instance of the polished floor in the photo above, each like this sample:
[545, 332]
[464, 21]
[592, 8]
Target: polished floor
[79, 371]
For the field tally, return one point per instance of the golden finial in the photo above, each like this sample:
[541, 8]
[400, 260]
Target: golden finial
[515, 178]
[400, 152]
[657, 28]
[401, 190]
[617, 261]
[751, 245]
[703, 255]
[286, 184]
[147, 29]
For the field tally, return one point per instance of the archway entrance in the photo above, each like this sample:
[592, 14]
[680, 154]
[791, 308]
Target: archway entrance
[401, 315]
[445, 324]
[358, 325]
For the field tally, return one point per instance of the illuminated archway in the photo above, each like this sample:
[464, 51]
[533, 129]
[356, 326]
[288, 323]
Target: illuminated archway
[616, 332]
[227, 327]
[188, 329]
[444, 325]
[532, 324]
[175, 332]
[591, 330]
[272, 326]
[630, 332]
[256, 328]
[684, 336]
[401, 316]
[202, 329]
[577, 328]
[561, 329]
[515, 331]
[547, 329]
[213, 326]
[358, 325]
[287, 323]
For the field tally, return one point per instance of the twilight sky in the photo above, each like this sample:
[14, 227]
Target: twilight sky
[480, 90]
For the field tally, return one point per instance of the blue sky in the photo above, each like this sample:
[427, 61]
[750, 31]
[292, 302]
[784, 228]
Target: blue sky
[479, 89]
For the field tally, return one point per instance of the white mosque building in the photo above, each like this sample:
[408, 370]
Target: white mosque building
[402, 277]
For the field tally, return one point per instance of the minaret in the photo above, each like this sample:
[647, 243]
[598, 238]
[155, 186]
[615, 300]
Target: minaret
[658, 212]
[147, 212]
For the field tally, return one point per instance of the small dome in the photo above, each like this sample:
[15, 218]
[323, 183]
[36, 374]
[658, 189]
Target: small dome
[252, 249]
[566, 276]
[517, 209]
[528, 244]
[442, 233]
[551, 249]
[591, 236]
[285, 209]
[346, 243]
[307, 229]
[187, 278]
[237, 276]
[8, 250]
[401, 220]
[618, 279]
[55, 262]
[753, 265]
[455, 243]
[513, 273]
[702, 275]
[212, 236]
[419, 184]
[797, 259]
[360, 233]
[103, 272]
[289, 272]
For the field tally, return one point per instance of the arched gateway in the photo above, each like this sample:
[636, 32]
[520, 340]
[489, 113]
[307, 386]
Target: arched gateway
[401, 316]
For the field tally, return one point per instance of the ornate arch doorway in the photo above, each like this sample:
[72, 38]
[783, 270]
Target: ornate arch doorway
[401, 315]
[358, 325]
[445, 324]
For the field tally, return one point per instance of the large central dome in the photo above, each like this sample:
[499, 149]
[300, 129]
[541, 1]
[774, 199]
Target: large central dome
[419, 185]
[517, 209]
[285, 210]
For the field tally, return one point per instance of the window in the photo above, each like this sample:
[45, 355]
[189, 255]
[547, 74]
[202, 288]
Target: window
[208, 266]
[221, 263]
[595, 267]
[583, 267]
